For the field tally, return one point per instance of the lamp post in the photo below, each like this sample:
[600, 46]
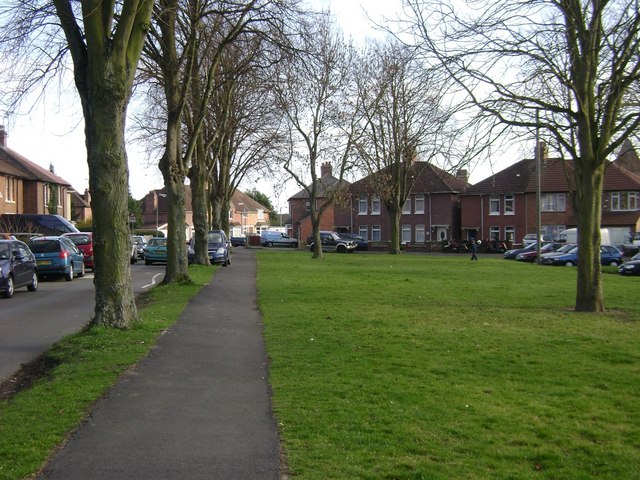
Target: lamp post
[158, 208]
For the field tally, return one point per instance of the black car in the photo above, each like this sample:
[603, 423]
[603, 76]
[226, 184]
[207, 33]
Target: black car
[632, 267]
[333, 242]
[361, 242]
[18, 267]
[513, 253]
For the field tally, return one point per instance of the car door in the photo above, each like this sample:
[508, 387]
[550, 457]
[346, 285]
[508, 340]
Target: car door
[76, 255]
[19, 265]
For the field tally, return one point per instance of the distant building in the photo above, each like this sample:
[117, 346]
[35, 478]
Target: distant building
[26, 187]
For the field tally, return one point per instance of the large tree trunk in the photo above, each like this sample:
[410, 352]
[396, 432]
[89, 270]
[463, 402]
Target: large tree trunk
[589, 184]
[394, 224]
[174, 178]
[200, 205]
[109, 185]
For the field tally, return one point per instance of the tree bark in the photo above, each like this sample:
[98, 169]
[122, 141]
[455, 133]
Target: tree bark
[589, 186]
[109, 186]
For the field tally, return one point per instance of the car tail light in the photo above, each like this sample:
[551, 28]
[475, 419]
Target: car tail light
[63, 255]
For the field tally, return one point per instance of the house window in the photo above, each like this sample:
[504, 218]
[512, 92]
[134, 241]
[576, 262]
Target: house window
[419, 206]
[10, 194]
[406, 234]
[553, 202]
[406, 210]
[47, 195]
[624, 201]
[509, 205]
[376, 235]
[59, 197]
[363, 231]
[375, 206]
[260, 214]
[510, 234]
[494, 205]
[420, 234]
[230, 214]
[494, 233]
[307, 206]
[362, 206]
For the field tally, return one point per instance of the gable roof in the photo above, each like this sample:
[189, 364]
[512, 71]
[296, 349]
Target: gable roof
[324, 184]
[236, 198]
[628, 158]
[427, 179]
[556, 175]
[14, 164]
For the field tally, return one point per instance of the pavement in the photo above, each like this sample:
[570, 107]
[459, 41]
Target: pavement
[197, 407]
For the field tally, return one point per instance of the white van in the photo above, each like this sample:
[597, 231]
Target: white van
[570, 235]
[270, 238]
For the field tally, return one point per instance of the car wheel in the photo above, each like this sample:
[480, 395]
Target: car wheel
[82, 271]
[33, 286]
[69, 276]
[341, 249]
[269, 244]
[8, 291]
[614, 263]
[228, 260]
[569, 263]
[294, 245]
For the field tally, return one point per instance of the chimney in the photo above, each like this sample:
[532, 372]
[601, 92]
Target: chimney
[462, 174]
[3, 136]
[542, 150]
[326, 169]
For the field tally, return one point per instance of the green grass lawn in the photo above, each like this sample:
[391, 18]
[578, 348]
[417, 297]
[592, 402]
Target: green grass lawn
[434, 367]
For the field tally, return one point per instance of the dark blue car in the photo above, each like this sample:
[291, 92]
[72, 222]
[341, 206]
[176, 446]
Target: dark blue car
[57, 256]
[17, 267]
[217, 246]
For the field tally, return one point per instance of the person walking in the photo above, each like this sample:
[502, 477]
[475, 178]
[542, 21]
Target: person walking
[474, 250]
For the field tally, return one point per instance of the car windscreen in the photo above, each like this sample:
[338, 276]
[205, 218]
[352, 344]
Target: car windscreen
[5, 251]
[215, 237]
[45, 246]
[157, 242]
[80, 239]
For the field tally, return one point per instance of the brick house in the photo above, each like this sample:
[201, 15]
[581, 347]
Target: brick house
[336, 217]
[26, 187]
[246, 216]
[503, 206]
[431, 212]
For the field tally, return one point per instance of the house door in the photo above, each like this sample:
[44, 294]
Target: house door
[442, 233]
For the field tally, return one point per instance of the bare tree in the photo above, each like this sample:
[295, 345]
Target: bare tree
[105, 40]
[573, 62]
[404, 120]
[315, 91]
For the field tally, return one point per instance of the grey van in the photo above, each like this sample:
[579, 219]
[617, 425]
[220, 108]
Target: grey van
[272, 238]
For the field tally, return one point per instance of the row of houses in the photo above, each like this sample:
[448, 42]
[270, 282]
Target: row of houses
[440, 206]
[26, 187]
[503, 207]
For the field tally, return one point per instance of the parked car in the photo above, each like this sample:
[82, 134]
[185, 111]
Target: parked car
[84, 242]
[333, 242]
[56, 255]
[238, 241]
[155, 251]
[632, 267]
[18, 267]
[531, 255]
[33, 223]
[139, 241]
[609, 255]
[513, 253]
[217, 246]
[361, 242]
[273, 238]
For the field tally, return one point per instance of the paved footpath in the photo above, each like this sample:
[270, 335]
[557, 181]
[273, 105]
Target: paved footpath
[198, 407]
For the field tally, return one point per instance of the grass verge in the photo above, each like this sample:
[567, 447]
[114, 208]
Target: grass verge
[434, 367]
[82, 368]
